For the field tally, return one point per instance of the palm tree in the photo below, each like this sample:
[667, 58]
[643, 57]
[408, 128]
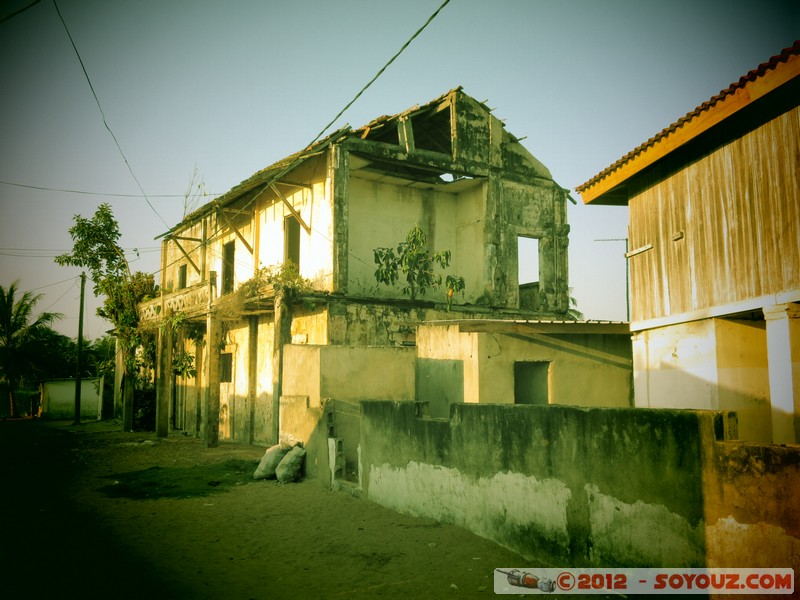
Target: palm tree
[18, 333]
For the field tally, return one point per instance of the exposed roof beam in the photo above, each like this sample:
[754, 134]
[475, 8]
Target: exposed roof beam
[177, 239]
[236, 231]
[291, 208]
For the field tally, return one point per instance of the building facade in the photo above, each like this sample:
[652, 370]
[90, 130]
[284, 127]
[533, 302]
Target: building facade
[714, 253]
[448, 167]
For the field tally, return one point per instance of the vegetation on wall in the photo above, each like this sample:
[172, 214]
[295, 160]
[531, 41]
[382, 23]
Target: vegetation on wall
[412, 259]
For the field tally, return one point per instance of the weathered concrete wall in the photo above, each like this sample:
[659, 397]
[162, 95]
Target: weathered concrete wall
[715, 364]
[743, 376]
[58, 398]
[339, 377]
[316, 248]
[381, 215]
[751, 510]
[585, 370]
[611, 487]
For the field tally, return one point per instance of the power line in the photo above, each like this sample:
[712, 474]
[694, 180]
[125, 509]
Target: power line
[75, 280]
[68, 191]
[380, 72]
[21, 10]
[102, 113]
[52, 253]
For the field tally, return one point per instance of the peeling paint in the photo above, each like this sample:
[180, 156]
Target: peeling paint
[734, 544]
[640, 534]
[486, 505]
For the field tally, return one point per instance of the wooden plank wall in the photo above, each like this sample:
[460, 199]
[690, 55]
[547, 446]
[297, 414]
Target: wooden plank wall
[739, 211]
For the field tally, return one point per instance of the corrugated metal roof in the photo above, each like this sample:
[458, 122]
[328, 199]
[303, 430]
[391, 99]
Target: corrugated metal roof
[743, 82]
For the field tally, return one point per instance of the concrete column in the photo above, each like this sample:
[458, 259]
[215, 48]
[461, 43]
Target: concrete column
[164, 381]
[252, 376]
[214, 341]
[282, 336]
[783, 355]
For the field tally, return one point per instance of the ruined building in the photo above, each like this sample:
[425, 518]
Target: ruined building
[449, 167]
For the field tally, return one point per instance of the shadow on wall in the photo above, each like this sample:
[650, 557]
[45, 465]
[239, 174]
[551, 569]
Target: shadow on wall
[747, 394]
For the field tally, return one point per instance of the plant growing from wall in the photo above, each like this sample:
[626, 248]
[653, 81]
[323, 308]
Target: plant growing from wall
[416, 263]
[284, 278]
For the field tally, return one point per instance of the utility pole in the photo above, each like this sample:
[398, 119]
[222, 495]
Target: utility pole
[80, 355]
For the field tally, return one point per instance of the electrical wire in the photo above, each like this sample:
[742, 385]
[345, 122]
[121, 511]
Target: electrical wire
[288, 167]
[74, 283]
[52, 253]
[380, 72]
[21, 10]
[102, 113]
[49, 189]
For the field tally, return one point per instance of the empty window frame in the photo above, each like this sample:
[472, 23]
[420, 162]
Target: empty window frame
[291, 241]
[182, 277]
[532, 382]
[226, 367]
[228, 258]
[527, 259]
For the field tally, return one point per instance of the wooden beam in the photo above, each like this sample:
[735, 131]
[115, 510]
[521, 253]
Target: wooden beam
[236, 231]
[405, 134]
[305, 186]
[291, 208]
[189, 258]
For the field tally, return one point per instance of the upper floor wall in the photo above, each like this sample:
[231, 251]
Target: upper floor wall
[449, 167]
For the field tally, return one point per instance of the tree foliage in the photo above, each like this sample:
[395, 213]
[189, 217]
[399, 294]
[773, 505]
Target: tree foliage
[19, 337]
[96, 248]
[416, 263]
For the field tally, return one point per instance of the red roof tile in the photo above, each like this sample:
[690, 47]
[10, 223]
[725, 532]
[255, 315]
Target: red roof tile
[745, 80]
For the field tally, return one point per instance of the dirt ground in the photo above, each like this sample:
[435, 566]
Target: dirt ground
[90, 512]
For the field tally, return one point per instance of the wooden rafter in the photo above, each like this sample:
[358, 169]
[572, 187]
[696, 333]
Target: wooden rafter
[291, 208]
[236, 230]
[177, 239]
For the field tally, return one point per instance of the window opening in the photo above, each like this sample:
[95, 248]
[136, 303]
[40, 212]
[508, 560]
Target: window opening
[291, 241]
[432, 131]
[226, 367]
[228, 255]
[531, 382]
[181, 277]
[528, 259]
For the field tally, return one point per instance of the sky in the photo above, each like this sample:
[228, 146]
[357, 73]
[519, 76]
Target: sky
[224, 89]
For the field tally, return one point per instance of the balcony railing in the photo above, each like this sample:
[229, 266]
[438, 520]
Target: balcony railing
[191, 301]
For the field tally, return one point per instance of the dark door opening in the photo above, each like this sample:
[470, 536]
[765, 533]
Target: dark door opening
[291, 241]
[228, 254]
[531, 382]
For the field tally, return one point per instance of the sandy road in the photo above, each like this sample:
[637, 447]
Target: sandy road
[91, 512]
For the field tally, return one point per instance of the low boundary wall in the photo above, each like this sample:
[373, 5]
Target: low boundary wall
[568, 486]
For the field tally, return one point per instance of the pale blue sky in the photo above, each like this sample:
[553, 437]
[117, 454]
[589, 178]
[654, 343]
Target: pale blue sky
[231, 87]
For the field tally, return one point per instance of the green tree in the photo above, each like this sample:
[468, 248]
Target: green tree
[18, 338]
[96, 248]
[413, 260]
